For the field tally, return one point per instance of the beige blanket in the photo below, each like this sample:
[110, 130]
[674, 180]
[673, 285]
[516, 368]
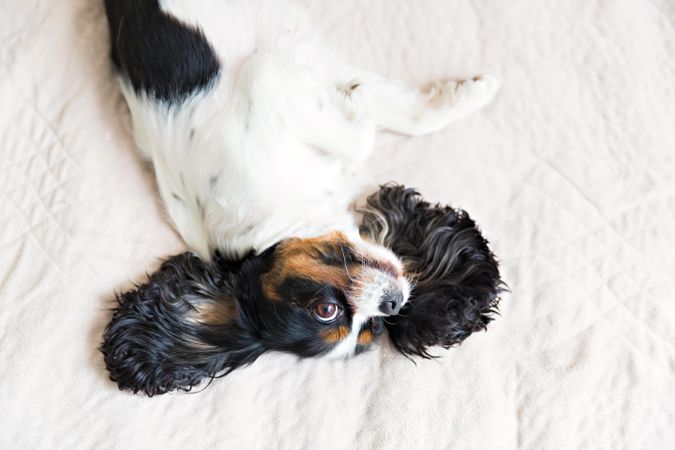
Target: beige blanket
[570, 172]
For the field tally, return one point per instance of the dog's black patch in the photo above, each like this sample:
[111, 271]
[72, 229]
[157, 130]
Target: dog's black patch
[456, 281]
[160, 56]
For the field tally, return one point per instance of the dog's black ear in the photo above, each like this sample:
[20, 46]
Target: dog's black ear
[455, 277]
[188, 322]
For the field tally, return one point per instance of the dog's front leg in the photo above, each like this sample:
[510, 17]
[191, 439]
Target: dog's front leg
[394, 106]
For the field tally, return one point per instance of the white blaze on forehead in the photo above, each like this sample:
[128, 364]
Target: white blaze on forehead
[378, 253]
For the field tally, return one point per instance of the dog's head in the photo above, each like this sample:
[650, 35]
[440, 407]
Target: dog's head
[330, 289]
[330, 295]
[196, 319]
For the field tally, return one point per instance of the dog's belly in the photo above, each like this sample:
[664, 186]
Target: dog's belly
[293, 192]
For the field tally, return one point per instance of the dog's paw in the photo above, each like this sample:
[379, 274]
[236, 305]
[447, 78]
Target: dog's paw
[481, 88]
[476, 92]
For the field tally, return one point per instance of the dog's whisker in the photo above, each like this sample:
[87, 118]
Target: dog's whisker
[344, 259]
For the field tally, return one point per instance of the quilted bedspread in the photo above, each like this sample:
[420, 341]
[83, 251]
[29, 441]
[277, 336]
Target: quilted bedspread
[570, 172]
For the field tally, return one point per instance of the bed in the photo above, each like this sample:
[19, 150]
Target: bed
[570, 174]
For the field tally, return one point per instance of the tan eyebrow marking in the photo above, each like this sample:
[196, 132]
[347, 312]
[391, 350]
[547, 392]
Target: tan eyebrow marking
[336, 334]
[300, 258]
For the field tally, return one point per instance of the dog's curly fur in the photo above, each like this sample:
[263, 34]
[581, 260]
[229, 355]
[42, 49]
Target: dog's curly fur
[456, 281]
[155, 344]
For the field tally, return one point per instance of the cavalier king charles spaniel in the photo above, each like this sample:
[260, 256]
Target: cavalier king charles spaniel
[255, 131]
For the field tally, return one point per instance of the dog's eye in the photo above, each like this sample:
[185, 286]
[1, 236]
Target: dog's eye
[326, 311]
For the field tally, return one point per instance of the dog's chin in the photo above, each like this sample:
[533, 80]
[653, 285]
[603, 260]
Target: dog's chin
[456, 280]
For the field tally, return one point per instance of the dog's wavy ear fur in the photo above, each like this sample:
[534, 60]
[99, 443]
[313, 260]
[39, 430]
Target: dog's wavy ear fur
[188, 322]
[455, 277]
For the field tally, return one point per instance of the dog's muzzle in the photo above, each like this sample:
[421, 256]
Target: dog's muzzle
[391, 301]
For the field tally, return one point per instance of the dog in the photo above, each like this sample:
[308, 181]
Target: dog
[255, 130]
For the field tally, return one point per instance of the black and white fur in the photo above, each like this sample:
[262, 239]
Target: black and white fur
[252, 124]
[255, 130]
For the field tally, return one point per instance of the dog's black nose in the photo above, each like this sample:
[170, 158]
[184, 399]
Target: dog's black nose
[391, 302]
